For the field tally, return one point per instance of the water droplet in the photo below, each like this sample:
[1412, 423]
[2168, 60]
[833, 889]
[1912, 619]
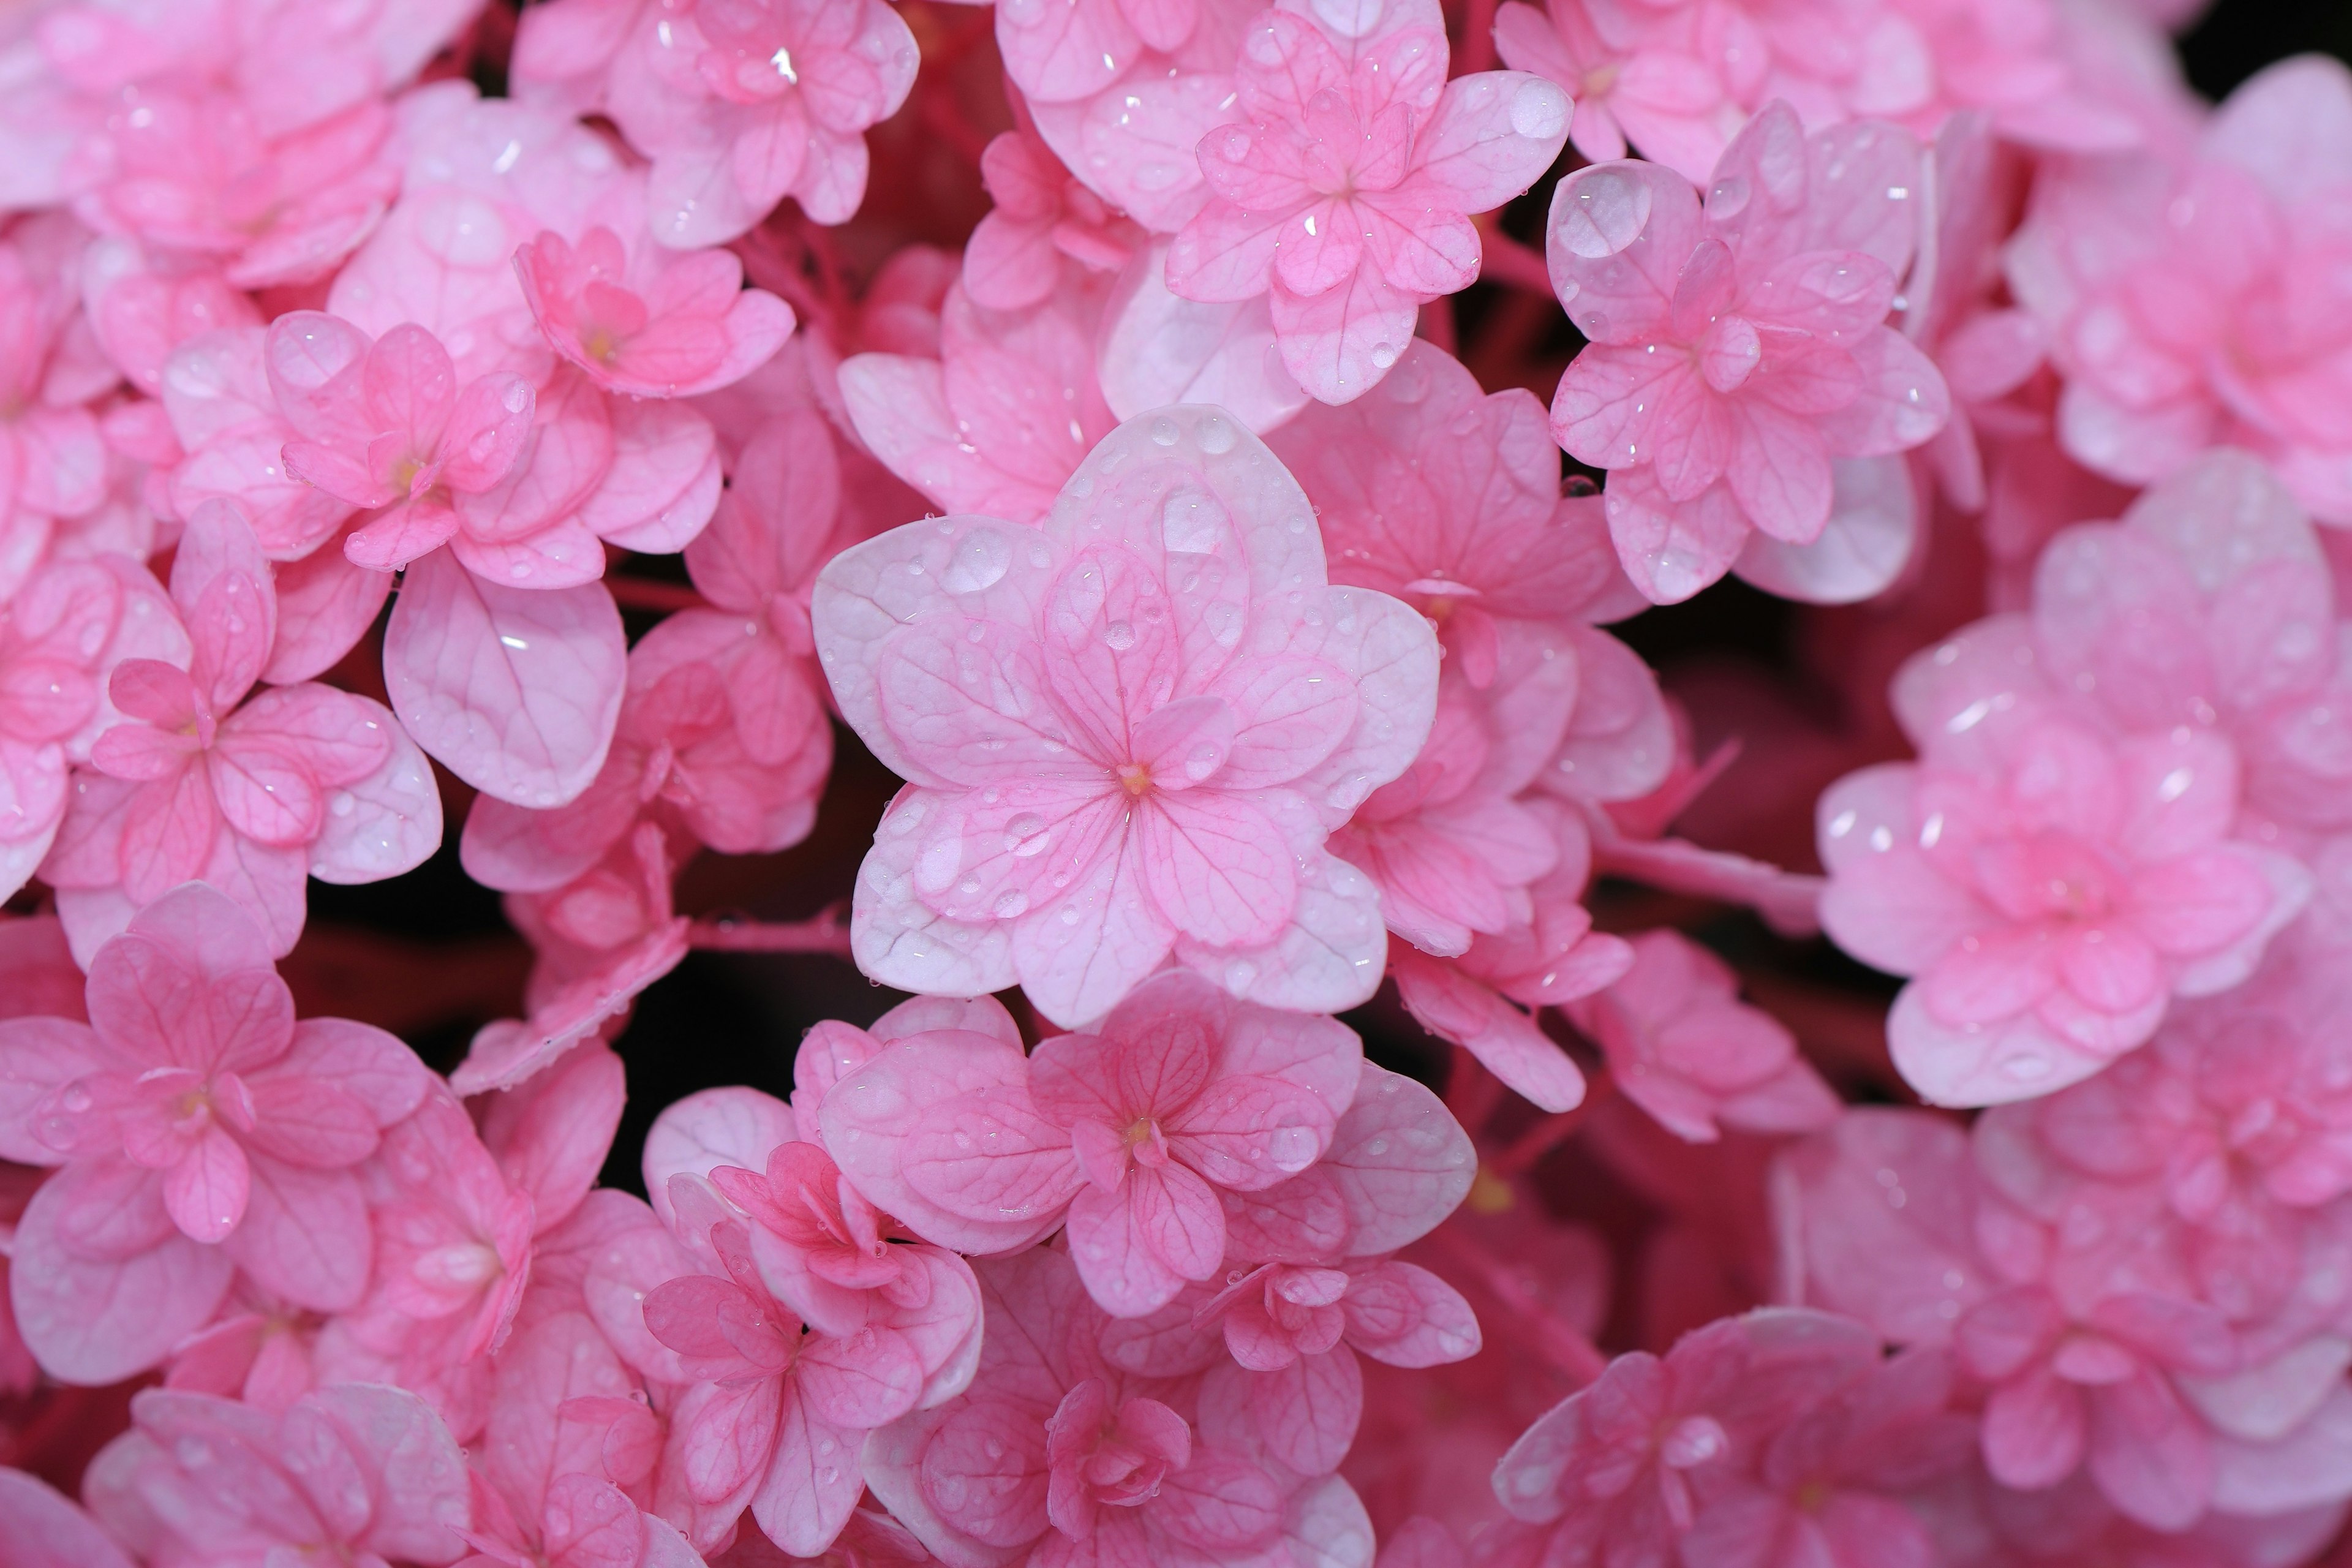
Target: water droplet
[1216, 436]
[1119, 635]
[1164, 431]
[980, 560]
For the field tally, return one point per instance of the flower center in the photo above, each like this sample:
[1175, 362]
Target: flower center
[782, 60]
[1134, 778]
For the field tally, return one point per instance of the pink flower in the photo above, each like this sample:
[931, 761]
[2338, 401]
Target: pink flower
[250, 794]
[354, 1472]
[775, 1418]
[2051, 892]
[1346, 194]
[46, 1530]
[1432, 490]
[2188, 306]
[1737, 350]
[649, 325]
[1132, 1132]
[386, 427]
[59, 636]
[1686, 1049]
[1635, 1466]
[569, 1431]
[200, 1129]
[1128, 733]
[1043, 215]
[1669, 79]
[998, 422]
[1053, 1452]
[740, 104]
[196, 172]
[453, 1249]
[52, 460]
[2169, 1358]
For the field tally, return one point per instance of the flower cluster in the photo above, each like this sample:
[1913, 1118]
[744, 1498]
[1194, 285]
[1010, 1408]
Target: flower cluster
[1363, 1080]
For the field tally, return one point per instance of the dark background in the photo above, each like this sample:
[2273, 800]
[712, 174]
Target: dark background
[431, 954]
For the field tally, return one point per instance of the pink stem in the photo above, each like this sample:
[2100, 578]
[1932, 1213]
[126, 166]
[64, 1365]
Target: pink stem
[1504, 261]
[821, 932]
[1477, 38]
[1558, 1343]
[644, 593]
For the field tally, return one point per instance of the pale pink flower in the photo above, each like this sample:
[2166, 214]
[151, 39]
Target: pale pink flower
[1740, 382]
[357, 1473]
[722, 731]
[253, 794]
[46, 1530]
[647, 322]
[216, 391]
[740, 104]
[1054, 1455]
[1043, 217]
[52, 459]
[1684, 1048]
[1345, 196]
[1623, 1469]
[195, 172]
[453, 1246]
[1670, 79]
[1132, 1133]
[2192, 305]
[1085, 707]
[1000, 417]
[2052, 891]
[2179, 1361]
[200, 1130]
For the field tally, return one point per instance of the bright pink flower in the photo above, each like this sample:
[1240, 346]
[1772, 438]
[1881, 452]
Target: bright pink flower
[1684, 1048]
[216, 391]
[251, 795]
[1084, 709]
[60, 636]
[569, 1431]
[2190, 306]
[1132, 1132]
[1043, 215]
[1054, 1456]
[355, 1473]
[1346, 194]
[777, 1413]
[740, 104]
[648, 322]
[1430, 489]
[385, 427]
[1669, 79]
[998, 422]
[200, 1128]
[1738, 348]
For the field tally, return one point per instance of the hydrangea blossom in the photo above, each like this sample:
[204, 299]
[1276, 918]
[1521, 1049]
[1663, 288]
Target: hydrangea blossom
[1087, 708]
[1345, 193]
[2186, 298]
[199, 1130]
[252, 794]
[1133, 1131]
[1742, 386]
